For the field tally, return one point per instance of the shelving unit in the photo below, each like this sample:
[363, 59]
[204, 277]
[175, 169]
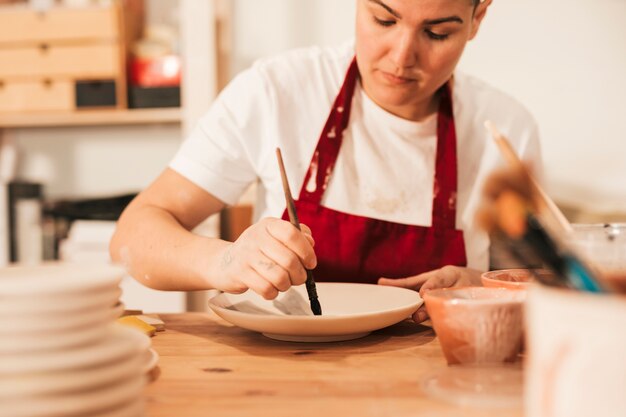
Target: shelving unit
[205, 32]
[90, 118]
[69, 57]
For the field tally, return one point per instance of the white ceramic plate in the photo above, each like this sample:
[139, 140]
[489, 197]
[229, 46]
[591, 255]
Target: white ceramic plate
[57, 278]
[96, 402]
[349, 311]
[31, 343]
[43, 335]
[120, 342]
[27, 305]
[36, 385]
[56, 325]
[149, 361]
[135, 408]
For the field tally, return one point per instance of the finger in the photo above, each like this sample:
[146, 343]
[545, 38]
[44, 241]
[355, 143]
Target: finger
[291, 237]
[437, 281]
[271, 271]
[237, 288]
[412, 283]
[420, 315]
[258, 284]
[308, 233]
[285, 258]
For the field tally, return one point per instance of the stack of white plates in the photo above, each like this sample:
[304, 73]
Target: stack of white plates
[60, 352]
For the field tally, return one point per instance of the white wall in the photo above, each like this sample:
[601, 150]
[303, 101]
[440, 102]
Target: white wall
[264, 27]
[566, 60]
[95, 161]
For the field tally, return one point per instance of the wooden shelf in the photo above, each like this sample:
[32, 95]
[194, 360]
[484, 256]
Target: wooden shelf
[90, 118]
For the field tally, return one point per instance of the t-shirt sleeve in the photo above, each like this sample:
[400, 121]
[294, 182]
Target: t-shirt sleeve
[220, 155]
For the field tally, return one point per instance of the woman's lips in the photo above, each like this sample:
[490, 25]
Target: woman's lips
[396, 80]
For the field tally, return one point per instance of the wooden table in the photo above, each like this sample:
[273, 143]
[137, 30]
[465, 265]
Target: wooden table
[208, 367]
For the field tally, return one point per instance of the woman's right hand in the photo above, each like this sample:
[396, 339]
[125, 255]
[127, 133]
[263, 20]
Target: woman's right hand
[269, 257]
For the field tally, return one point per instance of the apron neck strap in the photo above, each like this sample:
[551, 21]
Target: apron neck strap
[446, 176]
[320, 169]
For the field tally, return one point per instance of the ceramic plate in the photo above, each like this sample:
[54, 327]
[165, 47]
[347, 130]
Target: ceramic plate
[56, 325]
[47, 335]
[57, 278]
[150, 360]
[349, 311]
[135, 408]
[60, 303]
[31, 343]
[42, 384]
[96, 402]
[120, 342]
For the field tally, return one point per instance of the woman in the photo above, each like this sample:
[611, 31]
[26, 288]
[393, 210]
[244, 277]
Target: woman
[388, 189]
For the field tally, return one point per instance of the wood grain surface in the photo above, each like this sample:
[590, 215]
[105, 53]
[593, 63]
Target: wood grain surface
[208, 367]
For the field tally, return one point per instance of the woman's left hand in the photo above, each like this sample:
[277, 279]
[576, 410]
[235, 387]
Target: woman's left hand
[448, 276]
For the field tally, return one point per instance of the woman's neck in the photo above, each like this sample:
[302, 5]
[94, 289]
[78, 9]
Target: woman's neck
[415, 112]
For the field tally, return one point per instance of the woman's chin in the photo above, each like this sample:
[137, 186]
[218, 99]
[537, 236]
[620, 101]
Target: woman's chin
[396, 103]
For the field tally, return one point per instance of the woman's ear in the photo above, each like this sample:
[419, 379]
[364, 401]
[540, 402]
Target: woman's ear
[479, 15]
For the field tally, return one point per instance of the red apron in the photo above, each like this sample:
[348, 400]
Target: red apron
[352, 248]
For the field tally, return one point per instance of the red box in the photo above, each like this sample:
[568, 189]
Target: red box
[163, 71]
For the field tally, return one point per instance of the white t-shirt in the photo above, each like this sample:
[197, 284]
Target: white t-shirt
[385, 168]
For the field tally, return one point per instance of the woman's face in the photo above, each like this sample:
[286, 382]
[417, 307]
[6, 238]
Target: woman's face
[407, 49]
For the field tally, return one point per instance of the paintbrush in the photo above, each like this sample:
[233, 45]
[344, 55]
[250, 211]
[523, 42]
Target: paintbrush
[555, 219]
[293, 218]
[570, 270]
[559, 258]
[523, 227]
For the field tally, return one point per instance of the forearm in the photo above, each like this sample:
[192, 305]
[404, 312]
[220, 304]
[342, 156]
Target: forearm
[160, 253]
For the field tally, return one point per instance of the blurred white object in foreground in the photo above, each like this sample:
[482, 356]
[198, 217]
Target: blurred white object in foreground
[576, 365]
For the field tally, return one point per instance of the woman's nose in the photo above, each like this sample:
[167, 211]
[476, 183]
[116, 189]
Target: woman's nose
[404, 51]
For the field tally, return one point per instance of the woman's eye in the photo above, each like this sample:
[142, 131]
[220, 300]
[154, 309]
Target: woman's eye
[385, 23]
[436, 36]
